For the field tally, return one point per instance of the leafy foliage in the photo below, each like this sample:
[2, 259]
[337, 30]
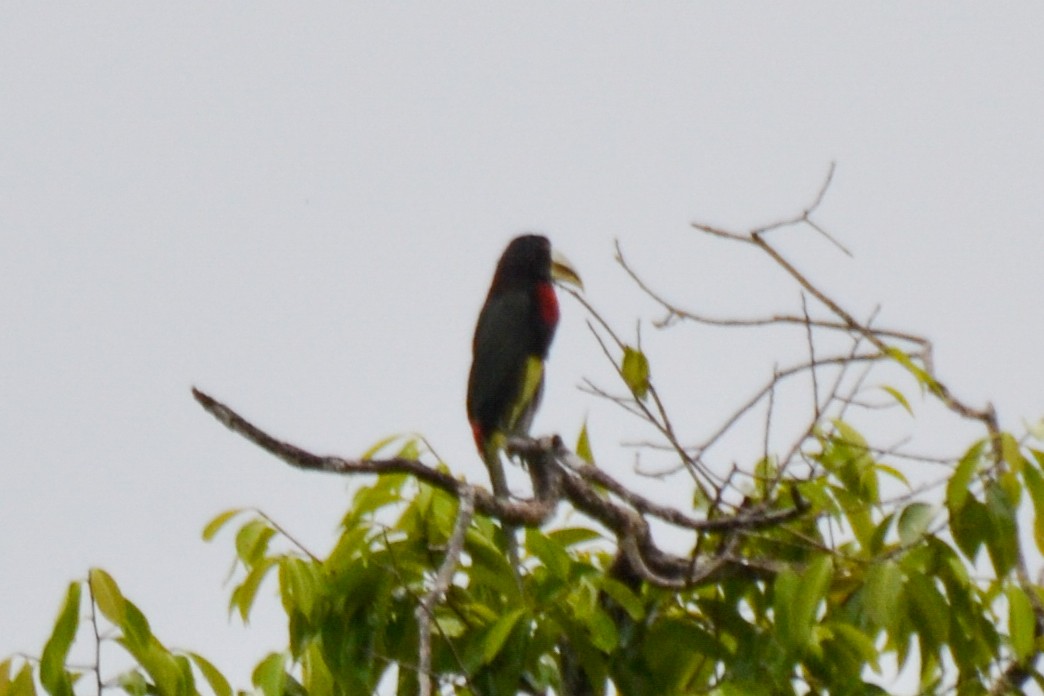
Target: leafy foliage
[872, 576]
[821, 617]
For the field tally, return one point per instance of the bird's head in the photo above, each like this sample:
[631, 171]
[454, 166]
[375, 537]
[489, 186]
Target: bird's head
[530, 257]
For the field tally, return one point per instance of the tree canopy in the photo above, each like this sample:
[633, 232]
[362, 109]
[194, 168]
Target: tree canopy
[817, 567]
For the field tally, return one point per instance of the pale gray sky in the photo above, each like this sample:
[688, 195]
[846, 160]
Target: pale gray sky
[298, 209]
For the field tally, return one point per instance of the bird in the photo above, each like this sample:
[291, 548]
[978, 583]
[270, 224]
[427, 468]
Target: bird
[512, 337]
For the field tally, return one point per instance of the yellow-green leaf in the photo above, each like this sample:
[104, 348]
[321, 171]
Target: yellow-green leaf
[270, 675]
[914, 521]
[410, 450]
[894, 473]
[136, 630]
[215, 525]
[1002, 540]
[297, 579]
[22, 684]
[791, 632]
[814, 584]
[571, 536]
[1012, 455]
[107, 595]
[376, 447]
[551, 553]
[603, 631]
[5, 676]
[252, 540]
[919, 373]
[884, 593]
[899, 397]
[583, 445]
[53, 675]
[1020, 623]
[498, 633]
[635, 371]
[624, 596]
[929, 609]
[244, 595]
[957, 487]
[857, 641]
[215, 678]
[1035, 484]
[134, 683]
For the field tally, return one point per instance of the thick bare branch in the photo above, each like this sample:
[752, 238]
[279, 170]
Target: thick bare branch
[525, 512]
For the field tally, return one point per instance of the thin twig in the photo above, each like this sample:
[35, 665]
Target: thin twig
[811, 357]
[426, 609]
[97, 637]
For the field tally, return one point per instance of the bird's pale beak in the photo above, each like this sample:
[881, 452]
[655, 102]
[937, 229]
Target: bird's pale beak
[563, 272]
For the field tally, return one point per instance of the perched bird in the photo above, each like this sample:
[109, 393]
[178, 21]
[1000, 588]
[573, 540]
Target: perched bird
[512, 337]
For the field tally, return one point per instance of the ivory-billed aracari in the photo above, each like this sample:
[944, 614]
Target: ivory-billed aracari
[512, 337]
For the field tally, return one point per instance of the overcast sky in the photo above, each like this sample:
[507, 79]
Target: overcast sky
[299, 209]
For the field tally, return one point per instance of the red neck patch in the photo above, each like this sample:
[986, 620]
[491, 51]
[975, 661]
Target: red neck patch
[547, 302]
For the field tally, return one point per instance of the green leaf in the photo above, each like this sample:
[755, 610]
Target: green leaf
[604, 635]
[252, 540]
[218, 684]
[135, 626]
[498, 633]
[674, 650]
[884, 594]
[5, 676]
[215, 525]
[969, 526]
[791, 633]
[161, 665]
[929, 610]
[243, 596]
[635, 372]
[53, 675]
[270, 675]
[857, 641]
[376, 447]
[369, 499]
[877, 541]
[297, 579]
[186, 684]
[21, 685]
[894, 473]
[1020, 623]
[1035, 484]
[1002, 541]
[899, 397]
[1011, 453]
[1009, 481]
[571, 536]
[134, 683]
[410, 450]
[554, 557]
[489, 564]
[623, 596]
[814, 584]
[583, 445]
[919, 373]
[914, 522]
[957, 487]
[107, 595]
